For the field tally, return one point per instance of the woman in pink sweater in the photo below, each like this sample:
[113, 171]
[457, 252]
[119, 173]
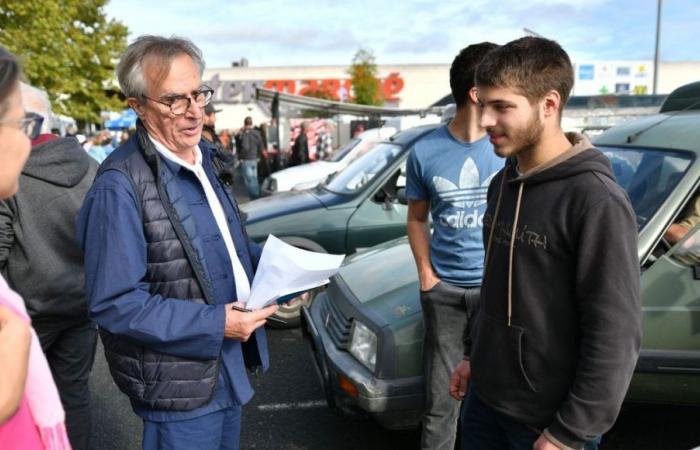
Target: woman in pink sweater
[31, 415]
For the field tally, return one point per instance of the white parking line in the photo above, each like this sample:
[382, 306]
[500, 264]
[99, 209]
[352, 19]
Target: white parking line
[298, 405]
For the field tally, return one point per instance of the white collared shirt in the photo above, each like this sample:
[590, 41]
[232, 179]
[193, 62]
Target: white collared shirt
[242, 283]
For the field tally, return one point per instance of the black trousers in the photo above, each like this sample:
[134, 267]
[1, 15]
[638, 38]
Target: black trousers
[70, 350]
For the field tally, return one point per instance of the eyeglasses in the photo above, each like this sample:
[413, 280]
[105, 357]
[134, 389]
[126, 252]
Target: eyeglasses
[179, 104]
[30, 124]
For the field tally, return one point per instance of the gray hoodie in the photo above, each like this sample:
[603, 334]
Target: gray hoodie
[39, 256]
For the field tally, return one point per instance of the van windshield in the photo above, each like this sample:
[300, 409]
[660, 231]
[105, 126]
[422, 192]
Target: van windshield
[649, 176]
[363, 170]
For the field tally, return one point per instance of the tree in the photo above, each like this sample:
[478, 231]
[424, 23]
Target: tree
[365, 84]
[69, 49]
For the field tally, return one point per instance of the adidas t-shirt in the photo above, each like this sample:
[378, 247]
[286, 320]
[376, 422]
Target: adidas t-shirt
[454, 176]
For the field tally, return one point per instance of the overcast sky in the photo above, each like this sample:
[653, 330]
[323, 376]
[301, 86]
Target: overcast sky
[329, 32]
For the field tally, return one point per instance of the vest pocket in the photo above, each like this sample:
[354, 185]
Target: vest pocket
[497, 357]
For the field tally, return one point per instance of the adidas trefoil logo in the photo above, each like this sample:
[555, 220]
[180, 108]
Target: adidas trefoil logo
[470, 193]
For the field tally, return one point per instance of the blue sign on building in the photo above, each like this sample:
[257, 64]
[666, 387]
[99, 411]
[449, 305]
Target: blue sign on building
[586, 71]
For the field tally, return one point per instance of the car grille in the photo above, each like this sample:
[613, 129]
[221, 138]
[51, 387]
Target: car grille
[337, 325]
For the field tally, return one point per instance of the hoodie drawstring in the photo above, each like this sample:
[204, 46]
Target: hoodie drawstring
[512, 240]
[512, 250]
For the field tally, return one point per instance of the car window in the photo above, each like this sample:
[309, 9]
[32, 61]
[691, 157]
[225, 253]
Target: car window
[343, 151]
[648, 176]
[362, 149]
[363, 170]
[688, 251]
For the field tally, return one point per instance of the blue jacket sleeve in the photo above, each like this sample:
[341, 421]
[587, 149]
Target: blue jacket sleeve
[110, 231]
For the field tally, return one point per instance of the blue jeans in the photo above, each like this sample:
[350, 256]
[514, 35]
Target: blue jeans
[484, 428]
[220, 430]
[250, 177]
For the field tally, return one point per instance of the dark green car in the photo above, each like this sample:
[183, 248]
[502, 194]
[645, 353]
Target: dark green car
[366, 329]
[353, 209]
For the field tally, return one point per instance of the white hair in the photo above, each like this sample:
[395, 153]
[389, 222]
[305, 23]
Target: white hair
[37, 101]
[159, 52]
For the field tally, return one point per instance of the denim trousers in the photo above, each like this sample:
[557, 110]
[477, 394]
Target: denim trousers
[250, 177]
[445, 314]
[220, 430]
[484, 428]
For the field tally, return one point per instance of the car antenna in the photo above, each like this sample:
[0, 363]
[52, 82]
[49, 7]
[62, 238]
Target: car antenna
[632, 137]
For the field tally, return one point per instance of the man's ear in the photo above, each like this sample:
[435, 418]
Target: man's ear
[472, 95]
[550, 103]
[136, 106]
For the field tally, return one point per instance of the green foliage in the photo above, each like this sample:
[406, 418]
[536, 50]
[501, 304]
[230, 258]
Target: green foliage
[365, 84]
[69, 49]
[320, 93]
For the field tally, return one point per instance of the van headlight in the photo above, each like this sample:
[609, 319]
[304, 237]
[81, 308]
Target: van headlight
[363, 345]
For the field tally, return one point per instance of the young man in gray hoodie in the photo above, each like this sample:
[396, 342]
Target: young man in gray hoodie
[558, 331]
[41, 260]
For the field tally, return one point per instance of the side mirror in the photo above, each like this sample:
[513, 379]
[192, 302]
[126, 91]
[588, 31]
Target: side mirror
[401, 196]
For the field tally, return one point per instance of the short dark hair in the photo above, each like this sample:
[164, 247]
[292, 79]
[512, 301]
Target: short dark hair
[531, 65]
[463, 69]
[248, 121]
[10, 73]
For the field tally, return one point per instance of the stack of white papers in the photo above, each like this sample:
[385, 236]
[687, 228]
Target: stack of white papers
[284, 269]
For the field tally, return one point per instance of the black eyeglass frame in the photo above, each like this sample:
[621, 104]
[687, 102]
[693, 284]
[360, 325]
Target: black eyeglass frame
[30, 124]
[190, 98]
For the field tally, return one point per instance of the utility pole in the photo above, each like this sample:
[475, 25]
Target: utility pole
[656, 49]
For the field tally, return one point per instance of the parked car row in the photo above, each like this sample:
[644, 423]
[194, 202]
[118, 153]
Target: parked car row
[307, 176]
[366, 329]
[353, 209]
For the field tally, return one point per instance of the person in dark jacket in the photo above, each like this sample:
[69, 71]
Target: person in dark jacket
[166, 257]
[224, 162]
[300, 149]
[250, 147]
[209, 127]
[42, 261]
[558, 330]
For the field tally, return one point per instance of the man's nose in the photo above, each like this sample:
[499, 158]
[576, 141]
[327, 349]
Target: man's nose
[486, 119]
[193, 110]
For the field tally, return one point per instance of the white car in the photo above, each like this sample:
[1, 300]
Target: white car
[309, 175]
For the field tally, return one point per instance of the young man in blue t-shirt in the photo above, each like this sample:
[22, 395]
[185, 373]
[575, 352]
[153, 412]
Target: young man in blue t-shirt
[448, 173]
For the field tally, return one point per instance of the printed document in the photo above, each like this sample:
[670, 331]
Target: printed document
[284, 269]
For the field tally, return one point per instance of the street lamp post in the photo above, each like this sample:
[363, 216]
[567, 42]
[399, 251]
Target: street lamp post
[656, 49]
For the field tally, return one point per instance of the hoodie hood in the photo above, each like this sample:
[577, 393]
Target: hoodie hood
[581, 157]
[61, 162]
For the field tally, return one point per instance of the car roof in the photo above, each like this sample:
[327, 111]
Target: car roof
[675, 130]
[406, 137]
[684, 98]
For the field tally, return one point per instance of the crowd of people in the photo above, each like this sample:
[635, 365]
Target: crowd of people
[149, 250]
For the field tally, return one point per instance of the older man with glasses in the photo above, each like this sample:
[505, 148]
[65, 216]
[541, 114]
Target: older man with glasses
[166, 256]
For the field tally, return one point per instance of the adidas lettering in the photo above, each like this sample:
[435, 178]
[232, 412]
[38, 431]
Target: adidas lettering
[463, 219]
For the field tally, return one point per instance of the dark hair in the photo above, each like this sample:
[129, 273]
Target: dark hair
[463, 69]
[531, 65]
[248, 121]
[10, 73]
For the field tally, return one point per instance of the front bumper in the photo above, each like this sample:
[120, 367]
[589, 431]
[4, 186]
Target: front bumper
[394, 403]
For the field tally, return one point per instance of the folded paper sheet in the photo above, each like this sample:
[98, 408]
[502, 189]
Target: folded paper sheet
[284, 269]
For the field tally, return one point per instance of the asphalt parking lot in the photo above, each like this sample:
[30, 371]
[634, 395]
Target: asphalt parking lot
[288, 413]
